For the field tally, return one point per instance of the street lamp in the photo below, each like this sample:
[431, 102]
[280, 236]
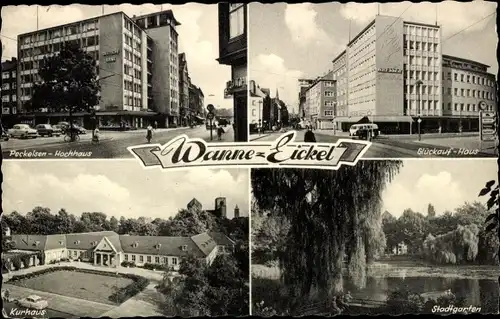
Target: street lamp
[419, 120]
[260, 117]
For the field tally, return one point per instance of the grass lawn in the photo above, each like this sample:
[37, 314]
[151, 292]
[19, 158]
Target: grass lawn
[76, 284]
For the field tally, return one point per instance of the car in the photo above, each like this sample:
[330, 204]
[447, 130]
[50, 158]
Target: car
[48, 130]
[23, 131]
[223, 122]
[33, 302]
[364, 131]
[79, 129]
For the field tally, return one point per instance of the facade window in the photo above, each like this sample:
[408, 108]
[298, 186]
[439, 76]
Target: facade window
[141, 258]
[133, 257]
[455, 76]
[461, 106]
[75, 253]
[148, 258]
[126, 257]
[174, 261]
[456, 106]
[5, 75]
[236, 19]
[449, 106]
[461, 77]
[157, 260]
[165, 260]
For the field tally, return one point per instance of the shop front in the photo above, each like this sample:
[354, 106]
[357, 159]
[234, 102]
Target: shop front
[237, 89]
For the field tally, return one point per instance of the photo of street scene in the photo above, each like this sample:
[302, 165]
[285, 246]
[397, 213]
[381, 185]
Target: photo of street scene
[416, 79]
[87, 240]
[99, 78]
[382, 237]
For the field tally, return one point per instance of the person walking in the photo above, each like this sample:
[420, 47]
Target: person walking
[149, 133]
[309, 136]
[220, 131]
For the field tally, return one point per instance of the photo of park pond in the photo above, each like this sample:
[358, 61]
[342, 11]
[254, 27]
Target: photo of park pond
[382, 237]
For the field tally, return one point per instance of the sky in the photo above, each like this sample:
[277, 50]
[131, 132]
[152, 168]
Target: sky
[292, 41]
[198, 36]
[118, 188]
[446, 184]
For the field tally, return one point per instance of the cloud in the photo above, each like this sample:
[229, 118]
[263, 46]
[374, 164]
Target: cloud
[452, 16]
[270, 71]
[301, 22]
[427, 189]
[198, 35]
[102, 187]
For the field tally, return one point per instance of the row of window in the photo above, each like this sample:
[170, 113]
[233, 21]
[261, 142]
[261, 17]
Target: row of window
[132, 101]
[329, 113]
[7, 98]
[362, 38]
[471, 93]
[56, 47]
[467, 78]
[129, 56]
[367, 50]
[157, 259]
[424, 89]
[7, 86]
[134, 87]
[8, 75]
[135, 43]
[128, 70]
[470, 107]
[424, 105]
[425, 61]
[367, 62]
[420, 46]
[64, 31]
[422, 75]
[421, 31]
[130, 26]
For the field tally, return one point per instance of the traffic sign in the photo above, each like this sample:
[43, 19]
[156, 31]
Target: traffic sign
[482, 105]
[210, 108]
[419, 120]
[488, 120]
[488, 132]
[210, 116]
[488, 126]
[490, 137]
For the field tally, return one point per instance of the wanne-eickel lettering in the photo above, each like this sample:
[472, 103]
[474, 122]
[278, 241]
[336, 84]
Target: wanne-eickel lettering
[185, 152]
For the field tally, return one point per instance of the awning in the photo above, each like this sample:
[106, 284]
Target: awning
[387, 119]
[349, 119]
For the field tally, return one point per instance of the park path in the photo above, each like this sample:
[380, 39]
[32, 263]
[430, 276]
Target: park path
[70, 305]
[144, 304]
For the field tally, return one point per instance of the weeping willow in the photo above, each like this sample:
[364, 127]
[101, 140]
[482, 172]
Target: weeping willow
[328, 212]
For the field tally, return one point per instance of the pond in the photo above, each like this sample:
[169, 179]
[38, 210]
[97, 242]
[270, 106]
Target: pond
[476, 292]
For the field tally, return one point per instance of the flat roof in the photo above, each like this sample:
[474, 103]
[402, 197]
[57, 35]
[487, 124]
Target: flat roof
[169, 12]
[339, 55]
[451, 57]
[423, 24]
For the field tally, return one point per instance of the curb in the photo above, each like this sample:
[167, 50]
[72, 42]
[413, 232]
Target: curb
[28, 147]
[258, 137]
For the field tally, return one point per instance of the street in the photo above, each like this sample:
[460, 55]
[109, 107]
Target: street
[111, 144]
[406, 146]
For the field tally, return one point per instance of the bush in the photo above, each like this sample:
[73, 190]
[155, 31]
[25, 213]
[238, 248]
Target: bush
[154, 266]
[16, 263]
[128, 264]
[403, 301]
[26, 259]
[139, 284]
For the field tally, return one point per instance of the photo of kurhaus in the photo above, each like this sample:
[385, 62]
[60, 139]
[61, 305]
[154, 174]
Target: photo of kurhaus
[120, 249]
[97, 79]
[417, 79]
[382, 237]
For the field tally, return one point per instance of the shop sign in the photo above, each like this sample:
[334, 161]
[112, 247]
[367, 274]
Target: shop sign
[114, 52]
[389, 70]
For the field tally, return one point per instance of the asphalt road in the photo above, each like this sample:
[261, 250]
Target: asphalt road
[111, 145]
[384, 147]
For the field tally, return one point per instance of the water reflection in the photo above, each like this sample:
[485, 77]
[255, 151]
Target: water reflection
[476, 292]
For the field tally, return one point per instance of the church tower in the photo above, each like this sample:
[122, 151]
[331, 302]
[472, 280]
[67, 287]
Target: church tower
[236, 212]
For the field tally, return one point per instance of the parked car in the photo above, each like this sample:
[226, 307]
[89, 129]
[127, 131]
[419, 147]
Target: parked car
[23, 131]
[364, 131]
[33, 302]
[48, 130]
[223, 122]
[5, 133]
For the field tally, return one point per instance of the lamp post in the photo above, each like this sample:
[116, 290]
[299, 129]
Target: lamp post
[260, 117]
[419, 120]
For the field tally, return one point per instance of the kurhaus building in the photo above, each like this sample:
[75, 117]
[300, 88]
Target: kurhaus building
[126, 49]
[107, 248]
[233, 52]
[393, 73]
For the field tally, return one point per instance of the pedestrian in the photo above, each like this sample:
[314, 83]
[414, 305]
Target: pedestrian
[309, 136]
[156, 125]
[149, 133]
[220, 131]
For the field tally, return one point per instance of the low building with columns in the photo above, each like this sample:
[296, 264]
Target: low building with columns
[108, 249]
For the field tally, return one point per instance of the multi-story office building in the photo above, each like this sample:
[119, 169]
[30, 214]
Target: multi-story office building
[196, 101]
[9, 88]
[125, 50]
[161, 28]
[466, 83]
[233, 52]
[184, 82]
[304, 84]
[321, 101]
[392, 73]
[340, 76]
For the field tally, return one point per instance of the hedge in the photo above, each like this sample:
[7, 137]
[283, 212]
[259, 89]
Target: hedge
[128, 264]
[155, 266]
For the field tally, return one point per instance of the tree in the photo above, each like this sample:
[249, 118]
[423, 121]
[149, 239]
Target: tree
[325, 210]
[113, 224]
[414, 228]
[68, 83]
[431, 211]
[492, 221]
